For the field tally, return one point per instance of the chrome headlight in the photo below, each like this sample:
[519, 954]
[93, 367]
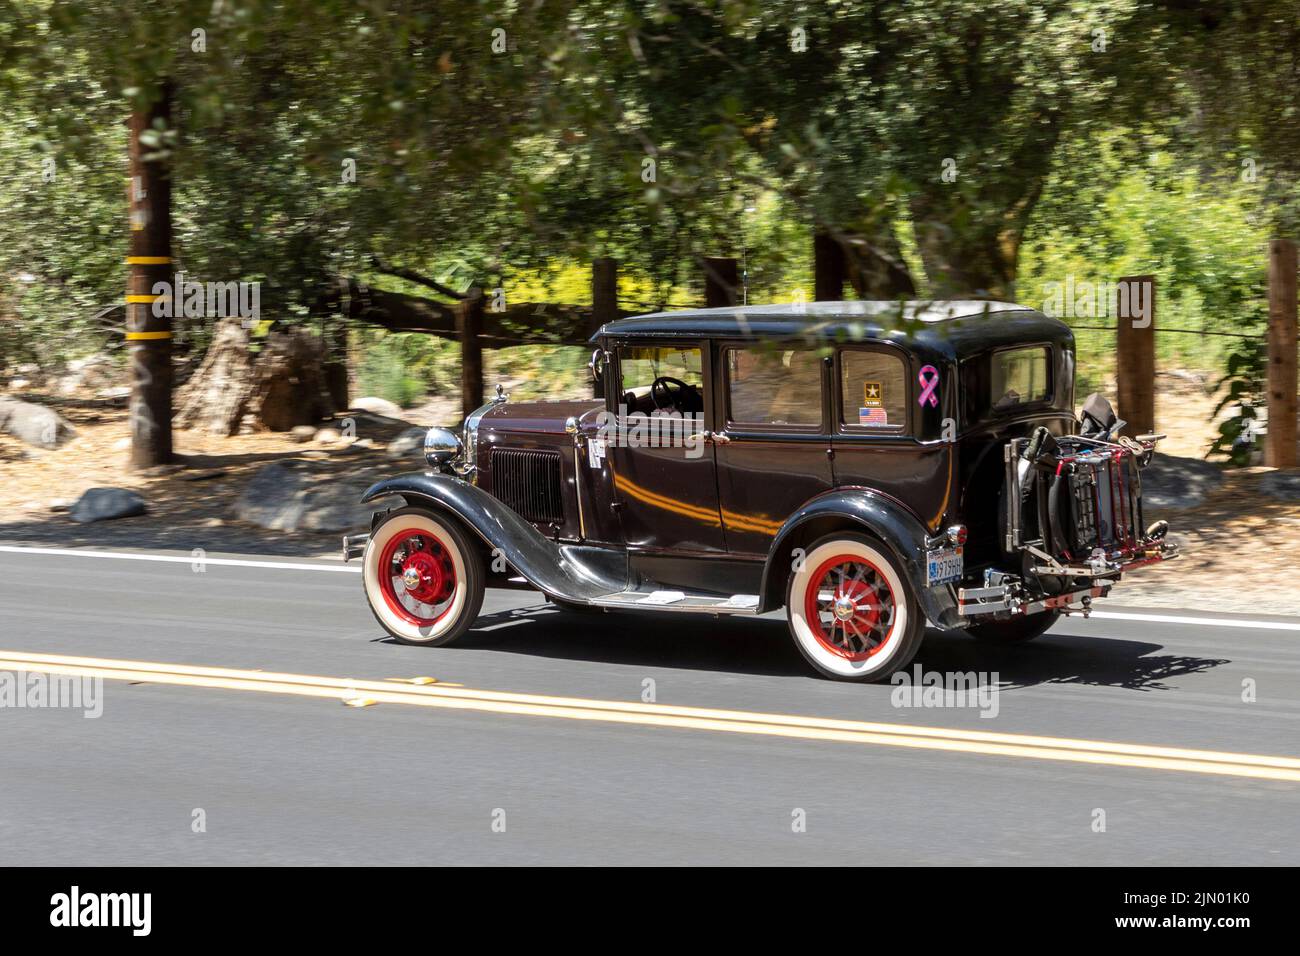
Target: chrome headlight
[441, 448]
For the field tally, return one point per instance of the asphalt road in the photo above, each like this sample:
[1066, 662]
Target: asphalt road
[284, 778]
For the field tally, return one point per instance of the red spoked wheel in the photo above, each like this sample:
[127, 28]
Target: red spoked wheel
[417, 576]
[423, 577]
[850, 607]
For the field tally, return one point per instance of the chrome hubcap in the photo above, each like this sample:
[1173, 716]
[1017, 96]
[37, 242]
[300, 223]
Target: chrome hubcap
[844, 608]
[412, 579]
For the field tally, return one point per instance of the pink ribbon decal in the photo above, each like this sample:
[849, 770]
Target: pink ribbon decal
[929, 379]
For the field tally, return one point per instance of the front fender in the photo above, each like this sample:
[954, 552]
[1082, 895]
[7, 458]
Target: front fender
[879, 516]
[566, 572]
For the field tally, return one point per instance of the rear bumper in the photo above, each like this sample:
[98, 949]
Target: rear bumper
[1004, 595]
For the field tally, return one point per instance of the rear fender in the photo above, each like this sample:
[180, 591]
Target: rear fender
[858, 509]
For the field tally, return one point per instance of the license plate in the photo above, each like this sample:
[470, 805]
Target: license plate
[943, 566]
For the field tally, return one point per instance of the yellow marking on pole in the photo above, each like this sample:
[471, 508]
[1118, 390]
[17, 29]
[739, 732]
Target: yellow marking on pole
[147, 336]
[148, 260]
[141, 298]
[987, 743]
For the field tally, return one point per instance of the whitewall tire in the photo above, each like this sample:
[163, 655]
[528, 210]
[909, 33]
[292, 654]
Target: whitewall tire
[851, 610]
[423, 578]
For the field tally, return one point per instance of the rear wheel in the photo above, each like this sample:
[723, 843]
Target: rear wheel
[1016, 630]
[423, 578]
[851, 610]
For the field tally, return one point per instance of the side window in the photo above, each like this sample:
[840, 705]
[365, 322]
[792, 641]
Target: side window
[873, 391]
[664, 379]
[774, 387]
[1020, 377]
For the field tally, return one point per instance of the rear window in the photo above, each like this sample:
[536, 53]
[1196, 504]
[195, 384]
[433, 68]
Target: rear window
[873, 391]
[1019, 377]
[774, 386]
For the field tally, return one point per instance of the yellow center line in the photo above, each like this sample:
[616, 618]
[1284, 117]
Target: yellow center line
[663, 715]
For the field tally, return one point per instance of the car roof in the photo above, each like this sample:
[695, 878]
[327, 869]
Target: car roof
[951, 328]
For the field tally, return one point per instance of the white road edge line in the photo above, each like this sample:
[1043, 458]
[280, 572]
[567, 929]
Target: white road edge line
[179, 559]
[1208, 621]
[356, 569]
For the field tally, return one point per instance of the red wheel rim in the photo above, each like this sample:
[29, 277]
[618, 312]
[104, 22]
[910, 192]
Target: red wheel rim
[849, 607]
[417, 576]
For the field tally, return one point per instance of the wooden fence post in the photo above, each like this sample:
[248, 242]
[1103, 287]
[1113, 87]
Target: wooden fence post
[829, 267]
[604, 292]
[721, 283]
[1279, 448]
[469, 326]
[1135, 353]
[604, 303]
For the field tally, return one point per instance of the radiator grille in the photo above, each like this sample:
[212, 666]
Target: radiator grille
[529, 482]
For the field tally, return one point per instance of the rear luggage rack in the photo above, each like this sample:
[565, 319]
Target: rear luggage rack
[1073, 525]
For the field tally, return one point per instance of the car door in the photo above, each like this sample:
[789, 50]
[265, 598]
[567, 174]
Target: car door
[773, 449]
[877, 420]
[665, 483]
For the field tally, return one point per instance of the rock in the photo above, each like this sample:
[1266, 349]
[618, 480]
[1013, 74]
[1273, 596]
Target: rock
[303, 433]
[101, 504]
[60, 505]
[203, 474]
[409, 444]
[1170, 482]
[290, 496]
[1284, 485]
[289, 382]
[328, 436]
[217, 394]
[34, 424]
[378, 406]
[93, 372]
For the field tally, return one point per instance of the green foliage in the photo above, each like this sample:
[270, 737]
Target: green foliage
[1243, 386]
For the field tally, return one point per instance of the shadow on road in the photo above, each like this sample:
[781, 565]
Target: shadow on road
[763, 647]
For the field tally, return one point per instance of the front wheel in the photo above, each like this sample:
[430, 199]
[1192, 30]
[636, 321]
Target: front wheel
[1016, 630]
[851, 610]
[423, 578]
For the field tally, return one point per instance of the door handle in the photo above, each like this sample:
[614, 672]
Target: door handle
[718, 438]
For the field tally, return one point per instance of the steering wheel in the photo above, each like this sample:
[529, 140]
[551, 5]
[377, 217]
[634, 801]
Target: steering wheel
[662, 395]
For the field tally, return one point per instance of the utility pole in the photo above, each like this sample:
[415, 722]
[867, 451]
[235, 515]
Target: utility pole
[149, 336]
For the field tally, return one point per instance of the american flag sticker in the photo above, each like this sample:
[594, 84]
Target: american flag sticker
[872, 416]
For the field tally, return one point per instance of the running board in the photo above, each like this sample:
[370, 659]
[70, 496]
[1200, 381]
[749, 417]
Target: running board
[666, 600]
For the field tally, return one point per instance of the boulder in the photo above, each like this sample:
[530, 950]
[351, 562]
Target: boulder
[34, 424]
[95, 372]
[218, 393]
[1283, 485]
[102, 504]
[409, 444]
[303, 433]
[1170, 482]
[378, 406]
[292, 496]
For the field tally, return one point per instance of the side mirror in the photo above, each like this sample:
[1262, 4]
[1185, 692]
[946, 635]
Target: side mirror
[597, 365]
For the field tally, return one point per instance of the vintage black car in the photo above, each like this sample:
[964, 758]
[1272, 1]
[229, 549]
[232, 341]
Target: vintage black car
[867, 466]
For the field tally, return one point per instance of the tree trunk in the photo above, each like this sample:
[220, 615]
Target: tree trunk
[289, 386]
[217, 395]
[966, 253]
[149, 336]
[469, 321]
